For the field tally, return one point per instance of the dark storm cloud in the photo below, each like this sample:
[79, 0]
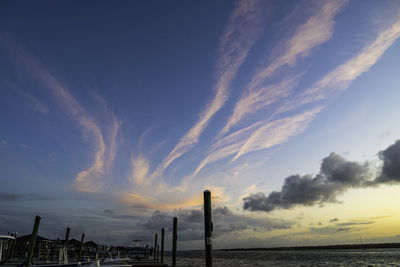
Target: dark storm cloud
[339, 171]
[336, 175]
[391, 164]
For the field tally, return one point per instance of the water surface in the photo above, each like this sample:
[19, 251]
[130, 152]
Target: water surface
[370, 257]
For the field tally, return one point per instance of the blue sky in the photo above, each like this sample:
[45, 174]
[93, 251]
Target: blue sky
[118, 115]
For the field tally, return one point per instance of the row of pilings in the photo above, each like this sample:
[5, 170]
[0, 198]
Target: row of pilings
[63, 258]
[208, 229]
[158, 254]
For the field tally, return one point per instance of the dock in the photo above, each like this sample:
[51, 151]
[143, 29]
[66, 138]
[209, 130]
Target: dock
[149, 264]
[21, 251]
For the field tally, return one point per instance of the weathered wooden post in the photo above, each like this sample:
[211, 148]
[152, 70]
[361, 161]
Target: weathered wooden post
[1, 251]
[10, 244]
[81, 248]
[66, 246]
[158, 253]
[155, 248]
[8, 248]
[33, 241]
[174, 238]
[208, 227]
[13, 245]
[67, 237]
[162, 245]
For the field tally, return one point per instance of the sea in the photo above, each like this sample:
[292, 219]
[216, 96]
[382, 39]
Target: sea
[370, 257]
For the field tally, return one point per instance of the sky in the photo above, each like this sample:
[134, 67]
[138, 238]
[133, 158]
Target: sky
[116, 116]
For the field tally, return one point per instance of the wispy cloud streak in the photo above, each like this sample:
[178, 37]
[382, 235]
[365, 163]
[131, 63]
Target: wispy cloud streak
[221, 153]
[140, 170]
[255, 100]
[89, 180]
[243, 28]
[277, 132]
[314, 32]
[340, 78]
[337, 80]
[265, 136]
[257, 96]
[308, 36]
[34, 102]
[261, 93]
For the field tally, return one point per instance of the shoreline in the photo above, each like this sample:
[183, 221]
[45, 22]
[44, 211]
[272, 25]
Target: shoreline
[325, 247]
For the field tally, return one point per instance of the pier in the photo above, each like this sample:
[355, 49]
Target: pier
[36, 251]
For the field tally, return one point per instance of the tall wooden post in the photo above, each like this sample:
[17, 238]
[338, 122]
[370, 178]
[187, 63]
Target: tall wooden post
[208, 227]
[158, 253]
[81, 248]
[13, 245]
[8, 248]
[162, 245]
[65, 255]
[155, 248]
[1, 252]
[33, 241]
[67, 237]
[174, 238]
[10, 244]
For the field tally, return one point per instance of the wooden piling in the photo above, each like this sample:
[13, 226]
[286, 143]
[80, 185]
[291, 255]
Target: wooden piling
[13, 246]
[1, 252]
[208, 227]
[67, 237]
[9, 246]
[155, 248]
[174, 239]
[162, 245]
[33, 241]
[158, 253]
[65, 254]
[81, 248]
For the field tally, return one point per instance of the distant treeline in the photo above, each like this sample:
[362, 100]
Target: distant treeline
[330, 247]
